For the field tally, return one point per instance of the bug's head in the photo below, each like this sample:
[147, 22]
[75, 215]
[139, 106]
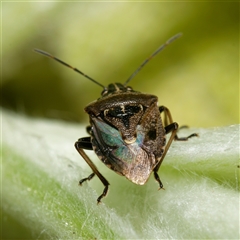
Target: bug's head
[115, 88]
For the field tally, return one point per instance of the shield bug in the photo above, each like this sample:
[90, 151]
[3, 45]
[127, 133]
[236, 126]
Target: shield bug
[126, 130]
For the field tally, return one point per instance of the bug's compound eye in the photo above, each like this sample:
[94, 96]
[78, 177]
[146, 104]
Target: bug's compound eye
[104, 92]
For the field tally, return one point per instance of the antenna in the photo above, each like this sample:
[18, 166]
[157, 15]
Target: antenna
[67, 65]
[153, 55]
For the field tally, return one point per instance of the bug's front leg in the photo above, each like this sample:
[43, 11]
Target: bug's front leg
[85, 143]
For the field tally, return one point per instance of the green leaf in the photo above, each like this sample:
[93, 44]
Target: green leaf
[40, 192]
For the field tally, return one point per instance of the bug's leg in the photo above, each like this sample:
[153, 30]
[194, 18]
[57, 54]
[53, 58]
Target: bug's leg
[173, 127]
[89, 130]
[170, 126]
[162, 109]
[87, 178]
[168, 120]
[85, 143]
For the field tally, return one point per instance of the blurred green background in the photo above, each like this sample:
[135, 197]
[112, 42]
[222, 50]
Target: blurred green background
[196, 77]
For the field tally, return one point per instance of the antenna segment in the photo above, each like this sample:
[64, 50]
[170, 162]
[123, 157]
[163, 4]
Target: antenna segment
[67, 65]
[130, 78]
[153, 55]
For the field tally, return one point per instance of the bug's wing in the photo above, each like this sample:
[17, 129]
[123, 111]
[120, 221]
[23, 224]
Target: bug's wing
[136, 160]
